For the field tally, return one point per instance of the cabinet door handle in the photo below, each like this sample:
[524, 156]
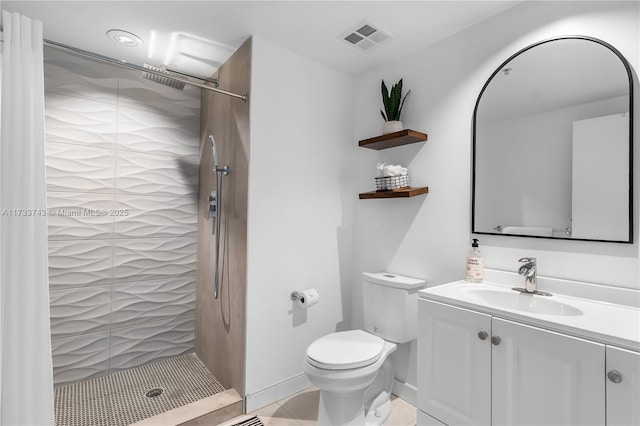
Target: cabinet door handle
[615, 376]
[482, 335]
[496, 340]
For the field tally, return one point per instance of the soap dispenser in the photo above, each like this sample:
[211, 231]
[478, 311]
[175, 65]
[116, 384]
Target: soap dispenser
[474, 264]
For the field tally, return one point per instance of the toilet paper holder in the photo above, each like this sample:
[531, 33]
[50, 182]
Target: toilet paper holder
[295, 295]
[305, 298]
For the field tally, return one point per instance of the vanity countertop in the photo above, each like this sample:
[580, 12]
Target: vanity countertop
[613, 319]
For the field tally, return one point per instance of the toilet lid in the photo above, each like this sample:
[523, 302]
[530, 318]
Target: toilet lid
[345, 350]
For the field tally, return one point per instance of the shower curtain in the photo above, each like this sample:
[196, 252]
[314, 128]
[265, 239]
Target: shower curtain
[26, 374]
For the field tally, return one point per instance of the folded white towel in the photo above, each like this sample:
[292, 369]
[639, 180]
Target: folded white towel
[539, 231]
[391, 170]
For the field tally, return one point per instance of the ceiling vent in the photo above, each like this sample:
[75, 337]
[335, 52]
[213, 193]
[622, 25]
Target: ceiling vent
[365, 36]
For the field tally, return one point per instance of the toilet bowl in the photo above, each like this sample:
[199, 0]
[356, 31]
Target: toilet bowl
[343, 365]
[353, 369]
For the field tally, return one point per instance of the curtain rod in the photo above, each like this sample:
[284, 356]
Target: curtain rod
[125, 64]
[121, 63]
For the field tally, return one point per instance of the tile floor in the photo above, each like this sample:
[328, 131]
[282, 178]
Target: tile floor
[120, 399]
[301, 409]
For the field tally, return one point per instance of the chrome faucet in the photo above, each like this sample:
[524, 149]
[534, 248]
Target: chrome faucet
[528, 271]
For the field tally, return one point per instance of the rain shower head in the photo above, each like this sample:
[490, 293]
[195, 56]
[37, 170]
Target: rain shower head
[167, 81]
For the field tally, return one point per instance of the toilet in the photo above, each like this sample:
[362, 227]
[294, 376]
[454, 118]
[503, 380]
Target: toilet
[353, 369]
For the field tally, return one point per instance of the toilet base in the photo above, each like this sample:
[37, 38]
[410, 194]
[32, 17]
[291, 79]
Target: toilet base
[348, 409]
[371, 407]
[378, 396]
[349, 397]
[341, 409]
[380, 414]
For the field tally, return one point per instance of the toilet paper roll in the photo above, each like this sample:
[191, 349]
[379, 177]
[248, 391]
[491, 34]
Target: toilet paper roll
[308, 297]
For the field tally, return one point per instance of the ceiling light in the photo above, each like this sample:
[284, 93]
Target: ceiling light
[125, 38]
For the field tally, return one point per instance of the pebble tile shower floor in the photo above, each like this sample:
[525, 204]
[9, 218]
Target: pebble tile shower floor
[120, 398]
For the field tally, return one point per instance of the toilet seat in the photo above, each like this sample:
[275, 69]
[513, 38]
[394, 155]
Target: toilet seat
[345, 350]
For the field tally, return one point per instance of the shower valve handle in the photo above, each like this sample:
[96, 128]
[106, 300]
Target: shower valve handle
[212, 209]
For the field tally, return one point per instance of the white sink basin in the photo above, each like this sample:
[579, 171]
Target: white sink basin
[610, 315]
[507, 298]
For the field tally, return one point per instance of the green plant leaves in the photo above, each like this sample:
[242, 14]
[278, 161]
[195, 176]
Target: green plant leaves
[385, 101]
[393, 102]
[402, 104]
[396, 94]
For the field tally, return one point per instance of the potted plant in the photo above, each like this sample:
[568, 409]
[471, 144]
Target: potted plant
[393, 103]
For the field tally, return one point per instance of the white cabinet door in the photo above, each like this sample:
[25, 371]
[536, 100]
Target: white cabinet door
[454, 376]
[540, 377]
[623, 387]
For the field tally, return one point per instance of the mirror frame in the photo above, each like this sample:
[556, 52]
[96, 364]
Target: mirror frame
[627, 67]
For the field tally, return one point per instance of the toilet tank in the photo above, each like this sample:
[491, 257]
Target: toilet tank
[391, 305]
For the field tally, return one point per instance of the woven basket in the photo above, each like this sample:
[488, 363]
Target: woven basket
[389, 183]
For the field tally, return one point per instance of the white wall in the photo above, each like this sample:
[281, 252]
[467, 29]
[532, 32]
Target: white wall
[300, 213]
[428, 237]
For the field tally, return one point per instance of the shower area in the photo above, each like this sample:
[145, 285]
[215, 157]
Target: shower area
[136, 328]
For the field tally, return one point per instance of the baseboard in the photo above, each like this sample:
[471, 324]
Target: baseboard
[277, 392]
[405, 391]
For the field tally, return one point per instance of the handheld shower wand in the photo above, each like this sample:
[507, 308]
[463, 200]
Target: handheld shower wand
[224, 170]
[215, 202]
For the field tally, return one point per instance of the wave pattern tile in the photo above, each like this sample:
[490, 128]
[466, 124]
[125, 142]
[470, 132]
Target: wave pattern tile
[80, 357]
[153, 258]
[80, 121]
[79, 310]
[158, 133]
[79, 263]
[73, 216]
[72, 75]
[122, 177]
[147, 174]
[77, 168]
[140, 302]
[151, 341]
[158, 217]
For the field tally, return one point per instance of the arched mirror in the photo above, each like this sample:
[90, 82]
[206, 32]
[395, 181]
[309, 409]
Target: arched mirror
[553, 144]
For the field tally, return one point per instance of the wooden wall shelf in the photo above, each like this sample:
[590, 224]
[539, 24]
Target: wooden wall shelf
[396, 193]
[390, 140]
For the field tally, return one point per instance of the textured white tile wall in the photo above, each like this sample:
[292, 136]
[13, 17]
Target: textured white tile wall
[80, 357]
[162, 217]
[80, 121]
[153, 258]
[71, 227]
[122, 178]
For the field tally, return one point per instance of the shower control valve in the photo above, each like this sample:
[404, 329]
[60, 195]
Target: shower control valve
[211, 211]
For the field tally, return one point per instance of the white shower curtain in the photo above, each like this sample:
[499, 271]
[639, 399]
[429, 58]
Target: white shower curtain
[26, 376]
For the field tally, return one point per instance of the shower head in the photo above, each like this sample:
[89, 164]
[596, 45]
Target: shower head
[215, 154]
[167, 81]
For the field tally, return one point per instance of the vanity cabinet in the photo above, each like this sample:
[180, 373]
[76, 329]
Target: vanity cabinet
[475, 368]
[623, 387]
[454, 364]
[540, 377]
